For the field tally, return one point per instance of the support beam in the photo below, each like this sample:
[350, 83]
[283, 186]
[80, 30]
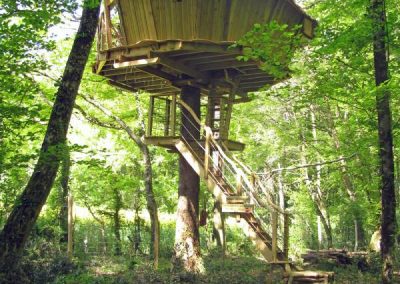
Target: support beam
[219, 226]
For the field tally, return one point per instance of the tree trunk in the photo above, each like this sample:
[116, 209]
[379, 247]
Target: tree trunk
[187, 253]
[117, 221]
[152, 207]
[388, 199]
[347, 183]
[151, 202]
[321, 207]
[27, 209]
[70, 228]
[63, 215]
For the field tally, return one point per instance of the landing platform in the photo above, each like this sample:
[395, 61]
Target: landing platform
[165, 66]
[170, 142]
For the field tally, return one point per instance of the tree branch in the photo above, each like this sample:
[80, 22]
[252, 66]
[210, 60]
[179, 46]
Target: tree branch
[308, 165]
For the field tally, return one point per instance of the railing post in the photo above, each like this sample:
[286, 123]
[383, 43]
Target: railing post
[274, 224]
[286, 224]
[207, 153]
[150, 118]
[108, 23]
[173, 116]
[167, 117]
[239, 185]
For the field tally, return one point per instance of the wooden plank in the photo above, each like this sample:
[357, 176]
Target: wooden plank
[207, 154]
[184, 69]
[237, 199]
[157, 72]
[223, 65]
[137, 63]
[167, 117]
[237, 208]
[173, 116]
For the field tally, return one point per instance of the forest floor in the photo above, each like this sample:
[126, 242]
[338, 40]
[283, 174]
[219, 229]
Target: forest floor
[218, 270]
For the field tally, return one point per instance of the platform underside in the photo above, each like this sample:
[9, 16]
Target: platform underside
[161, 67]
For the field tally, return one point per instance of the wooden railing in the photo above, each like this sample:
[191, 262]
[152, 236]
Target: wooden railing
[110, 32]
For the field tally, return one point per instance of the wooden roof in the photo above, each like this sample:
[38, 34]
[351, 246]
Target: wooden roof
[214, 20]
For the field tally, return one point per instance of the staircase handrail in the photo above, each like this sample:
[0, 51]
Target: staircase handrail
[240, 172]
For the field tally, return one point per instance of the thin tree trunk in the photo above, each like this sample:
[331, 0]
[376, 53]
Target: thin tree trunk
[322, 210]
[27, 209]
[187, 254]
[347, 183]
[388, 199]
[63, 215]
[117, 221]
[151, 202]
[70, 229]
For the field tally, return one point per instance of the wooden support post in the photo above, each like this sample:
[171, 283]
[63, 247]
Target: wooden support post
[172, 128]
[108, 23]
[219, 226]
[239, 185]
[207, 154]
[286, 225]
[70, 227]
[150, 118]
[274, 224]
[167, 117]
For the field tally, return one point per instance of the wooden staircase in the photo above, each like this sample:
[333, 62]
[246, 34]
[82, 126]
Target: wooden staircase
[242, 193]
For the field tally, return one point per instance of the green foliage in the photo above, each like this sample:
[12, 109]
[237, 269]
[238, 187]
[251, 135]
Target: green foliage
[273, 44]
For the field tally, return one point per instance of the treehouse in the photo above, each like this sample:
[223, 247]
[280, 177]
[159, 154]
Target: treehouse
[180, 54]
[160, 46]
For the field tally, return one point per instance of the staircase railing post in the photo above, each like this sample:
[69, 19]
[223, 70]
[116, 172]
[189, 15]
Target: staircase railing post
[274, 224]
[286, 224]
[167, 117]
[207, 153]
[173, 116]
[239, 185]
[150, 118]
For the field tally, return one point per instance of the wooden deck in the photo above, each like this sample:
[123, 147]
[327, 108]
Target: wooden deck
[165, 66]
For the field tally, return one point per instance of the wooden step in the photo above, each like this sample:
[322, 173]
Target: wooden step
[236, 199]
[237, 208]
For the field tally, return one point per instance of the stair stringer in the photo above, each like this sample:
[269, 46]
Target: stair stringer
[219, 195]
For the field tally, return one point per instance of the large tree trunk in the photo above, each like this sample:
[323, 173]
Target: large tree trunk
[187, 238]
[27, 209]
[388, 217]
